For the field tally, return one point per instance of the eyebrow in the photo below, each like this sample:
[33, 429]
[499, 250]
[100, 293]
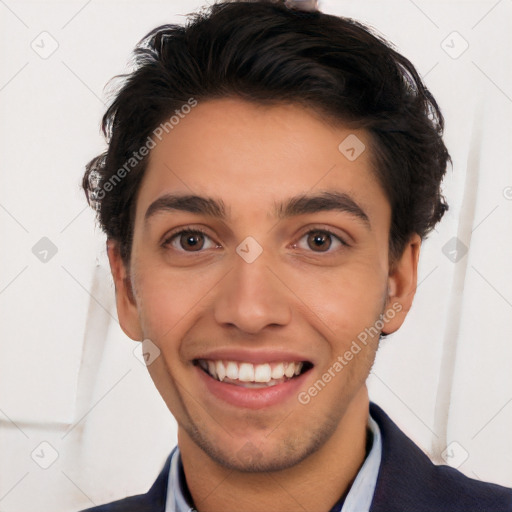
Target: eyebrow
[322, 202]
[187, 203]
[294, 206]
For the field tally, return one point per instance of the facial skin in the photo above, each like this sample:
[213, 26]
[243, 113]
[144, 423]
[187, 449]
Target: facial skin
[306, 297]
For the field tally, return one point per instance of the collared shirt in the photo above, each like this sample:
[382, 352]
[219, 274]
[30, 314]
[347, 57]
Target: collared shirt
[358, 499]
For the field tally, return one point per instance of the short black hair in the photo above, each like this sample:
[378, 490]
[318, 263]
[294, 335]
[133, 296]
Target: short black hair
[265, 52]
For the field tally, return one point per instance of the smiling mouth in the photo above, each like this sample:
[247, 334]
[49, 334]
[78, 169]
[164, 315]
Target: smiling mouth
[250, 375]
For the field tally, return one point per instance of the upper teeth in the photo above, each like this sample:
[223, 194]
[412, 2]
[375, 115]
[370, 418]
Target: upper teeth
[248, 372]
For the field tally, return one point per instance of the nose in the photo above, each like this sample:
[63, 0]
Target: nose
[252, 296]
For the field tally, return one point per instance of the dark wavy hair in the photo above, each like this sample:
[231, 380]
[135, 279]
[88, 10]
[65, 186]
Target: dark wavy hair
[268, 53]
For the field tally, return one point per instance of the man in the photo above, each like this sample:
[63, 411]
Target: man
[270, 175]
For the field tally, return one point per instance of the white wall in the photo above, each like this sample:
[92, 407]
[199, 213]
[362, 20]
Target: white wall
[68, 375]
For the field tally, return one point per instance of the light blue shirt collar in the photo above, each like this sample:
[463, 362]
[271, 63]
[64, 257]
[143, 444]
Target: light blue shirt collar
[358, 499]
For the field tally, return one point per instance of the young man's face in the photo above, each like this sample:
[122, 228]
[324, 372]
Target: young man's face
[304, 299]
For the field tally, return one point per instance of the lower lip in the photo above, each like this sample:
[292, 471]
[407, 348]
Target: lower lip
[252, 398]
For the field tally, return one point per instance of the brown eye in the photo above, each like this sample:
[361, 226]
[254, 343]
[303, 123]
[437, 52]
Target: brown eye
[319, 240]
[193, 241]
[189, 240]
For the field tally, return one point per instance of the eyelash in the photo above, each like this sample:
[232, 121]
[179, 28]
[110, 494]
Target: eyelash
[194, 231]
[325, 232]
[197, 231]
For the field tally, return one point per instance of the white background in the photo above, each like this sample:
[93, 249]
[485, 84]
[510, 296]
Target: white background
[68, 375]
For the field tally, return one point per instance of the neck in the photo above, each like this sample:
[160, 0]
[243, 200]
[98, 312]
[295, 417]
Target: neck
[316, 483]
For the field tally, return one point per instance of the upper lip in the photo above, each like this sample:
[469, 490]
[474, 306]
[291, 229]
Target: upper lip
[253, 356]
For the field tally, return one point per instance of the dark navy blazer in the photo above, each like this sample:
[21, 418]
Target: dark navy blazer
[408, 482]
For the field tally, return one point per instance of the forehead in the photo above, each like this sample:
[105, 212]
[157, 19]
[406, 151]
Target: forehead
[254, 156]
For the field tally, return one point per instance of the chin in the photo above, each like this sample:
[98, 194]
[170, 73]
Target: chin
[265, 455]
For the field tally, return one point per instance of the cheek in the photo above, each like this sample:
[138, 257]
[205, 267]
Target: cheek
[167, 297]
[162, 302]
[343, 302]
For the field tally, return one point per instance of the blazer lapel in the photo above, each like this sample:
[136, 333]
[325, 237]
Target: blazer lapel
[409, 481]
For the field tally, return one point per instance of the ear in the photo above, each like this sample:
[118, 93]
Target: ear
[402, 283]
[127, 311]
